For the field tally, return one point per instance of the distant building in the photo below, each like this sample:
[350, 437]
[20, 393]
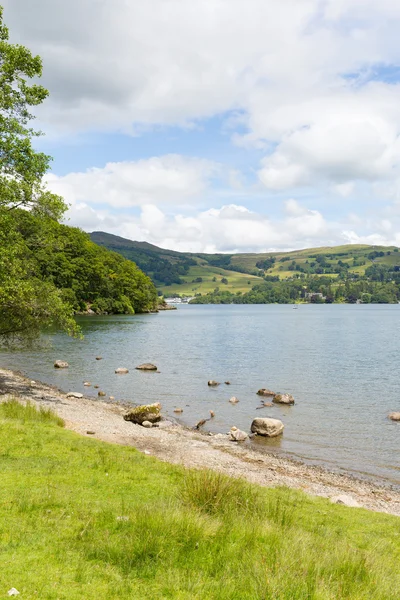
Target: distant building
[310, 295]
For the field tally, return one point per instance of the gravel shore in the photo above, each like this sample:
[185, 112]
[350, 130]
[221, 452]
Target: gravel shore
[180, 445]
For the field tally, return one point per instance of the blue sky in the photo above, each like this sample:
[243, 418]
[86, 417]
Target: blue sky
[222, 125]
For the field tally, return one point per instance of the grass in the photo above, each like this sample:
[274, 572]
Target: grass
[84, 519]
[237, 282]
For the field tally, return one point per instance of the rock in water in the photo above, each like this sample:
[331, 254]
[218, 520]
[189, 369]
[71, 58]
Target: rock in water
[178, 410]
[236, 435]
[265, 392]
[283, 399]
[99, 358]
[146, 412]
[147, 367]
[100, 393]
[74, 395]
[213, 383]
[345, 500]
[227, 383]
[121, 371]
[234, 400]
[61, 364]
[87, 384]
[395, 416]
[267, 427]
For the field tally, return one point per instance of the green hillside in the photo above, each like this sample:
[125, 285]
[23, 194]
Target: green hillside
[190, 274]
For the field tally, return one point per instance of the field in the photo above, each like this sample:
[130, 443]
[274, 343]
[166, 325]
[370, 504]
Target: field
[85, 519]
[237, 282]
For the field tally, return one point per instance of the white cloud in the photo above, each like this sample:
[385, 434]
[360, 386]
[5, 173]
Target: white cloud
[170, 179]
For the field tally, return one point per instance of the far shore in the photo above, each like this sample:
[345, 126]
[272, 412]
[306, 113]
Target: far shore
[179, 445]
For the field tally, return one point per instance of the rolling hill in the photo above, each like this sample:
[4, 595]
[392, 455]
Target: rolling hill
[188, 274]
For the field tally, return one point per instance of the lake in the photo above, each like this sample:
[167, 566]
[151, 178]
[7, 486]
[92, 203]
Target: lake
[340, 362]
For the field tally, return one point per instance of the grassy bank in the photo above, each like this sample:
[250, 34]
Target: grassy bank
[84, 519]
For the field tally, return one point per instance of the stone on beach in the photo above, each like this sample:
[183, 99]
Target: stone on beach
[267, 427]
[147, 367]
[236, 435]
[265, 392]
[283, 399]
[121, 371]
[74, 395]
[61, 364]
[234, 400]
[345, 500]
[394, 416]
[213, 383]
[145, 412]
[147, 424]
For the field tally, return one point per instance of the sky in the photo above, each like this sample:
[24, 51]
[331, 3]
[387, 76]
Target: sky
[221, 125]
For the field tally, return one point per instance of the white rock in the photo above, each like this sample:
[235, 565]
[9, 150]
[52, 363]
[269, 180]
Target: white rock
[87, 384]
[267, 427]
[13, 592]
[345, 500]
[147, 424]
[236, 435]
[61, 364]
[121, 371]
[234, 400]
[74, 395]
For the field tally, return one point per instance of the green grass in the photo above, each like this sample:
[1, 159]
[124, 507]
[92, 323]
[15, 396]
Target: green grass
[237, 282]
[84, 519]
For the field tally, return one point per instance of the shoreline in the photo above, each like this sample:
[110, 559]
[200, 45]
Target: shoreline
[177, 444]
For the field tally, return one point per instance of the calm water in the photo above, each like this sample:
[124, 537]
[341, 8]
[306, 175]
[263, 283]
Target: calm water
[340, 362]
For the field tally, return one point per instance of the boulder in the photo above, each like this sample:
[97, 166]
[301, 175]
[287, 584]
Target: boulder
[145, 412]
[121, 371]
[265, 392]
[212, 414]
[227, 383]
[74, 395]
[100, 393]
[147, 424]
[234, 400]
[99, 358]
[267, 427]
[87, 384]
[345, 501]
[178, 410]
[236, 435]
[395, 416]
[147, 367]
[213, 383]
[283, 399]
[61, 364]
[96, 386]
[112, 398]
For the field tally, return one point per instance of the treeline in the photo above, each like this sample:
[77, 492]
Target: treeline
[86, 275]
[318, 290]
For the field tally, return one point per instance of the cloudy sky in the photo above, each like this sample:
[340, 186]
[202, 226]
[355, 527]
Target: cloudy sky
[222, 125]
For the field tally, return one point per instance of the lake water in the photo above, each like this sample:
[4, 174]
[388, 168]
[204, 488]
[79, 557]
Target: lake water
[340, 362]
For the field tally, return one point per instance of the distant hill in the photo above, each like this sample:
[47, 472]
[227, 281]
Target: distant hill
[186, 273]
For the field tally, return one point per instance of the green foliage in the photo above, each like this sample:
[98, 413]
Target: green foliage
[130, 526]
[28, 413]
[86, 274]
[21, 167]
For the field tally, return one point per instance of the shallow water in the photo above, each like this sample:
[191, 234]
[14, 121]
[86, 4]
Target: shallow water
[339, 361]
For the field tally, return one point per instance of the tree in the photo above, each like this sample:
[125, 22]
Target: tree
[26, 302]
